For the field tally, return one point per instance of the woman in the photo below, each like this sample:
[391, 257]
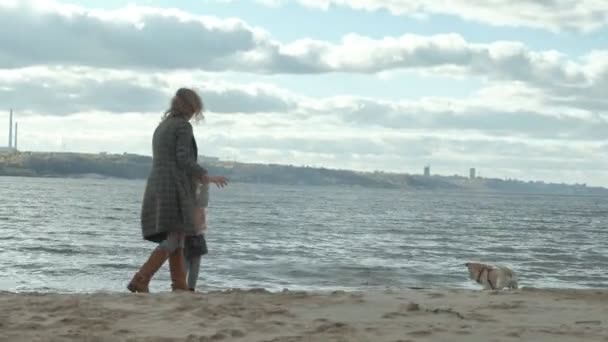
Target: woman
[167, 214]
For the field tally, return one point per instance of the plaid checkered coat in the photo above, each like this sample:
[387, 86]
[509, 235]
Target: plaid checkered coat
[170, 195]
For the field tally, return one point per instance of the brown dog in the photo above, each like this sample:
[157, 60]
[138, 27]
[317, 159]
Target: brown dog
[492, 277]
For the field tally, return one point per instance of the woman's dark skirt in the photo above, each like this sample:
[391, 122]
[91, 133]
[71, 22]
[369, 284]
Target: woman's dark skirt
[195, 246]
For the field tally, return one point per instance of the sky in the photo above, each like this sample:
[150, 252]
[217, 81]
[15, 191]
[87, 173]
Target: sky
[514, 88]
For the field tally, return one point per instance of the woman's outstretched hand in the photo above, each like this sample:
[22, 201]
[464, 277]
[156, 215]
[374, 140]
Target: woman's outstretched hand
[220, 181]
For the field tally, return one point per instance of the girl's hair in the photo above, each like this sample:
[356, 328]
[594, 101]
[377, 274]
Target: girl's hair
[186, 103]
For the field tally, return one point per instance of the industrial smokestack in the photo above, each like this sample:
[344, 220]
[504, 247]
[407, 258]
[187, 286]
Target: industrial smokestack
[10, 130]
[16, 127]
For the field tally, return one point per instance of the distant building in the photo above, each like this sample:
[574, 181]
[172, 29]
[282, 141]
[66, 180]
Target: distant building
[16, 131]
[472, 173]
[10, 130]
[12, 139]
[427, 171]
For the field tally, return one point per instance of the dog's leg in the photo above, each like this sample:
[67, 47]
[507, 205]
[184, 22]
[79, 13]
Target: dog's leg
[504, 281]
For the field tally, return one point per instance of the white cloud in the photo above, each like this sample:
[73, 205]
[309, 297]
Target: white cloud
[504, 109]
[131, 37]
[552, 15]
[271, 3]
[159, 39]
[64, 91]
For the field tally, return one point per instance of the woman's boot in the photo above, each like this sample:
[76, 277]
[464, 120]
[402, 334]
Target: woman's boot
[177, 268]
[141, 279]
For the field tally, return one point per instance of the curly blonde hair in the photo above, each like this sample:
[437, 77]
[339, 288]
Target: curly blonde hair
[186, 103]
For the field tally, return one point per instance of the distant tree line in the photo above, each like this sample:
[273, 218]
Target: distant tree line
[131, 166]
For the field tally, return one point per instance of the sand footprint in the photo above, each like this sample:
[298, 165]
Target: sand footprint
[334, 328]
[420, 333]
[402, 311]
[435, 295]
[234, 333]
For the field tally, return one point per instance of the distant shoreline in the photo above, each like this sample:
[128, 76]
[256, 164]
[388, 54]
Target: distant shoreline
[132, 166]
[421, 190]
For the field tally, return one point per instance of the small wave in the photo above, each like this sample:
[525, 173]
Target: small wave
[111, 218]
[66, 250]
[117, 266]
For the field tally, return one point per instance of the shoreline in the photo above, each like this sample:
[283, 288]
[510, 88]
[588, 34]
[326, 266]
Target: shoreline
[529, 314]
[134, 166]
[479, 191]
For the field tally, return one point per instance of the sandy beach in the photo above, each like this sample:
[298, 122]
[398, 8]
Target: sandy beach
[257, 315]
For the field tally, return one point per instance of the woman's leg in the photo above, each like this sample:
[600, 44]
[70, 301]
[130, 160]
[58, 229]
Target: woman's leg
[164, 250]
[175, 245]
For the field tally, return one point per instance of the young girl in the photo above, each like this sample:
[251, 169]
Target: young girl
[195, 245]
